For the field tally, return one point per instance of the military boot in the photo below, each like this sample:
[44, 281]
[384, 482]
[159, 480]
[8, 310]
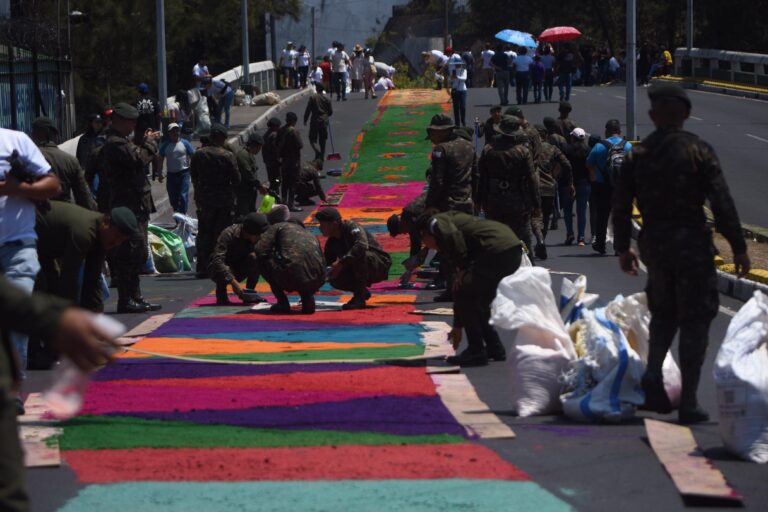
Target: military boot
[494, 348]
[656, 398]
[358, 300]
[693, 348]
[222, 297]
[307, 304]
[283, 306]
[690, 411]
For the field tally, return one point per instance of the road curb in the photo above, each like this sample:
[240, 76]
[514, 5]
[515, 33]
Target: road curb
[715, 88]
[260, 123]
[727, 284]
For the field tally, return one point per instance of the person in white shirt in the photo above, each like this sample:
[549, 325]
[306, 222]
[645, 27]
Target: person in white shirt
[613, 68]
[286, 65]
[224, 95]
[200, 71]
[522, 65]
[339, 63]
[302, 65]
[18, 239]
[359, 62]
[459, 92]
[316, 76]
[486, 55]
[384, 84]
[176, 152]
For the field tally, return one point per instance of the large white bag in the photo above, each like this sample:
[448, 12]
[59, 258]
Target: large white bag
[604, 384]
[574, 299]
[741, 376]
[632, 315]
[525, 309]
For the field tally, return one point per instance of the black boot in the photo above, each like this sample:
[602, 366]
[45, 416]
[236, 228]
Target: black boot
[307, 304]
[493, 346]
[656, 398]
[469, 358]
[358, 300]
[150, 306]
[693, 348]
[690, 411]
[283, 306]
[222, 297]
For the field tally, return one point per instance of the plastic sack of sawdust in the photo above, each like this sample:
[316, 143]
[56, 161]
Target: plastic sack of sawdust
[175, 245]
[525, 310]
[268, 98]
[162, 255]
[186, 228]
[203, 117]
[604, 383]
[741, 377]
[574, 299]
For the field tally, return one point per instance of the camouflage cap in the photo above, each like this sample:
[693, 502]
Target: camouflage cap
[660, 90]
[125, 111]
[514, 111]
[440, 122]
[218, 128]
[508, 127]
[44, 123]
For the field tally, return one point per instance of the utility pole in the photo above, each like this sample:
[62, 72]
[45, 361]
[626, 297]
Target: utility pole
[162, 79]
[446, 35]
[631, 70]
[314, 41]
[273, 38]
[245, 79]
[690, 25]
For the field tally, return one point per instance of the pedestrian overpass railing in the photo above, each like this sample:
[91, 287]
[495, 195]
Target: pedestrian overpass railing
[748, 69]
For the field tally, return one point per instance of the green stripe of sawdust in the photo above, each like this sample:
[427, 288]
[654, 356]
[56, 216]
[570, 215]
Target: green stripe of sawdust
[122, 432]
[375, 146]
[406, 350]
[397, 268]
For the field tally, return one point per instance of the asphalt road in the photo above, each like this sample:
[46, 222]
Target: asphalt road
[592, 467]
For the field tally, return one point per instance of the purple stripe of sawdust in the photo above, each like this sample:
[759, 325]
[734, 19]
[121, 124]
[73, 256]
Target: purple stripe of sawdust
[136, 369]
[387, 414]
[200, 326]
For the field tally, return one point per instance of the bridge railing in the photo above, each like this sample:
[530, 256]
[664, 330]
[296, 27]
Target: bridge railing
[749, 69]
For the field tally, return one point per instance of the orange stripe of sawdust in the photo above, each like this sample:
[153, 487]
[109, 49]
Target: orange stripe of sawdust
[192, 346]
[414, 97]
[375, 214]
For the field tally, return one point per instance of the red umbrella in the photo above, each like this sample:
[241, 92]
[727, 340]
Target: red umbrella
[554, 34]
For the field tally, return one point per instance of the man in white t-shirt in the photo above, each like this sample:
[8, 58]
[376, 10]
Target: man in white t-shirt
[286, 65]
[200, 70]
[18, 239]
[339, 63]
[486, 55]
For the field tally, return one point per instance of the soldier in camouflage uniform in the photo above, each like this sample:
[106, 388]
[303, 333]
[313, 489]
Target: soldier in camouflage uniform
[355, 258]
[319, 107]
[565, 125]
[483, 252]
[215, 175]
[671, 174]
[450, 181]
[289, 147]
[291, 260]
[405, 223]
[269, 153]
[123, 174]
[233, 259]
[554, 172]
[250, 186]
[308, 185]
[509, 191]
[65, 166]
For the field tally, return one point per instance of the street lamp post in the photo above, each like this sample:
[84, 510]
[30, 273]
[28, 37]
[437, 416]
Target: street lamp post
[245, 79]
[631, 70]
[162, 79]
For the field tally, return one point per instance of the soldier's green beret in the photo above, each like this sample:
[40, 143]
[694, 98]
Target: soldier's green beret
[125, 111]
[218, 128]
[514, 111]
[328, 215]
[44, 123]
[255, 223]
[124, 220]
[255, 139]
[540, 128]
[660, 90]
[274, 122]
[509, 126]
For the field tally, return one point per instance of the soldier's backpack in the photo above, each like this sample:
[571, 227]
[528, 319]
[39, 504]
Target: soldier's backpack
[614, 161]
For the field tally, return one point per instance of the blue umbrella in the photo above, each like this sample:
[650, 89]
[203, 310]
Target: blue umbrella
[516, 37]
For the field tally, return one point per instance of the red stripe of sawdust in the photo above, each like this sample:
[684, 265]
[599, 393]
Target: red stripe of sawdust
[468, 461]
[386, 380]
[393, 314]
[195, 346]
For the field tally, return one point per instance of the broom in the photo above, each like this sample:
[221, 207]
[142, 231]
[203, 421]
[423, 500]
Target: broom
[333, 155]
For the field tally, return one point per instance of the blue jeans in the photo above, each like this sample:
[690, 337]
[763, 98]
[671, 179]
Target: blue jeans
[19, 264]
[537, 87]
[521, 86]
[340, 84]
[178, 190]
[549, 80]
[226, 106]
[583, 191]
[564, 84]
[459, 107]
[502, 84]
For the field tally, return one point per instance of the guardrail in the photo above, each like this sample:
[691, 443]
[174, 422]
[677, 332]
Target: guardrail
[750, 69]
[260, 74]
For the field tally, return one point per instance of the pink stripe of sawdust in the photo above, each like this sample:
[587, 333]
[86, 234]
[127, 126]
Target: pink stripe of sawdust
[409, 462]
[362, 195]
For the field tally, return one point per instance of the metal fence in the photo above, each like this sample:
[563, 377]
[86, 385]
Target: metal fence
[33, 85]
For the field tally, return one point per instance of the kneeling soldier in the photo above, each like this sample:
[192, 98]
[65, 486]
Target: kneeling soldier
[483, 253]
[234, 259]
[291, 260]
[355, 258]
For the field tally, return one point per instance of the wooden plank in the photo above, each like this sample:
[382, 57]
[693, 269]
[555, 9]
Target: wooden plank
[443, 369]
[35, 410]
[148, 326]
[460, 398]
[693, 474]
[436, 311]
[435, 340]
[40, 445]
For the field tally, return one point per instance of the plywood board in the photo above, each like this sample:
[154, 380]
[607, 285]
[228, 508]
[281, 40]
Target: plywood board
[436, 311]
[693, 474]
[148, 326]
[435, 339]
[460, 398]
[35, 410]
[40, 445]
